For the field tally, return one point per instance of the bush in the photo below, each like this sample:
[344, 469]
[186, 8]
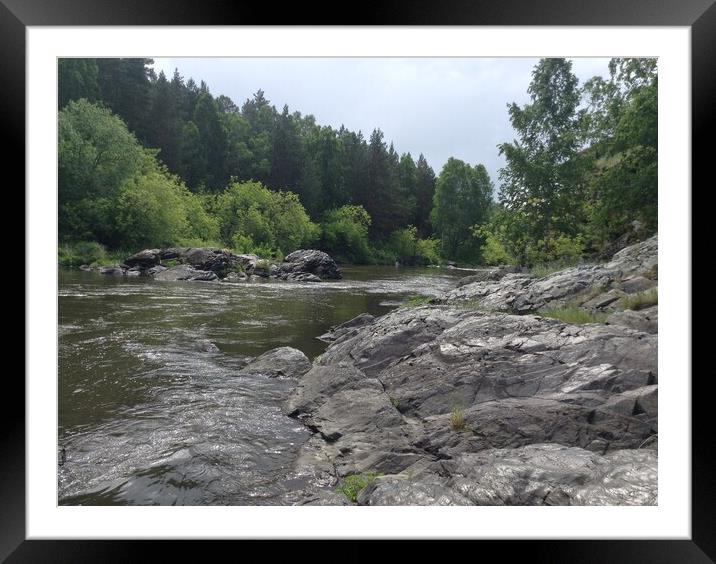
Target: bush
[352, 485]
[88, 252]
[252, 217]
[345, 234]
[408, 249]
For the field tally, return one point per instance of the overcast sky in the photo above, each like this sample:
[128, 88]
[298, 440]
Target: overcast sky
[440, 107]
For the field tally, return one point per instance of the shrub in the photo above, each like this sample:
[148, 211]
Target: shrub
[81, 253]
[353, 484]
[252, 217]
[345, 234]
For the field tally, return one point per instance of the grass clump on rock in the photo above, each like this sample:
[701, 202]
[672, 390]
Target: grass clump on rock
[417, 301]
[457, 419]
[353, 484]
[641, 300]
[574, 315]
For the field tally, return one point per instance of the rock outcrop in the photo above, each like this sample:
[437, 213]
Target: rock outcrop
[309, 261]
[597, 287]
[457, 404]
[192, 264]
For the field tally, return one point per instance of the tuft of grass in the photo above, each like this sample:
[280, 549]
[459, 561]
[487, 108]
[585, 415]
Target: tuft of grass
[457, 419]
[418, 300]
[573, 314]
[353, 484]
[641, 300]
[545, 269]
[170, 262]
[395, 402]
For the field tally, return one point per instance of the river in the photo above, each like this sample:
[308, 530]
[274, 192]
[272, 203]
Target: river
[146, 417]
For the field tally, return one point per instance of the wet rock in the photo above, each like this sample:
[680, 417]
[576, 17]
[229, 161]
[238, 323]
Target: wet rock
[143, 259]
[219, 261]
[284, 362]
[310, 261]
[350, 327]
[185, 272]
[85, 267]
[153, 271]
[111, 270]
[301, 277]
[205, 345]
[235, 277]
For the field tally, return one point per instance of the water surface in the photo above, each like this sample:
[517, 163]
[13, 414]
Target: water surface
[146, 416]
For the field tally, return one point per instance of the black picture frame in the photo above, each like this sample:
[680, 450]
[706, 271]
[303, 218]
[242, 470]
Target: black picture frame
[699, 15]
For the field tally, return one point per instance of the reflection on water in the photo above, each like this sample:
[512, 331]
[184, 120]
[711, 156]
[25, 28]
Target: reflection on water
[147, 417]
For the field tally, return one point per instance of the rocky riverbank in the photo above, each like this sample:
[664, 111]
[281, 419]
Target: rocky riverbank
[480, 399]
[208, 264]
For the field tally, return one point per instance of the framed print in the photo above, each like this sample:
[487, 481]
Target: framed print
[274, 319]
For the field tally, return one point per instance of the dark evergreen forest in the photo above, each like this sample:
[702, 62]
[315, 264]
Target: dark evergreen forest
[147, 160]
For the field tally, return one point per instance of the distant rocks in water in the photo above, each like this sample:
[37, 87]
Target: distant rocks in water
[205, 345]
[309, 261]
[285, 362]
[211, 263]
[143, 259]
[185, 272]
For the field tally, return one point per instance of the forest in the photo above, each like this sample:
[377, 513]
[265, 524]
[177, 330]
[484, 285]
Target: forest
[146, 160]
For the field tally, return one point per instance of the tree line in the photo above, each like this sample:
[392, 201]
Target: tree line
[148, 161]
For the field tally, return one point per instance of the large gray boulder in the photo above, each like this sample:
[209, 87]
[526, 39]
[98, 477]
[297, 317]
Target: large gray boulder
[311, 262]
[219, 261]
[143, 259]
[284, 362]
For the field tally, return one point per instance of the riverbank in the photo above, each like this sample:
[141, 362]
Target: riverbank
[487, 396]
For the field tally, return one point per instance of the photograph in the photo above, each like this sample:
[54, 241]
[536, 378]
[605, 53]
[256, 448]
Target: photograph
[357, 281]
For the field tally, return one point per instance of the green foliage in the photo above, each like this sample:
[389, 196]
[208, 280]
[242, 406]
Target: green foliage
[574, 315]
[253, 218]
[462, 199]
[543, 178]
[85, 252]
[353, 484]
[640, 300]
[409, 249]
[457, 419]
[345, 234]
[494, 251]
